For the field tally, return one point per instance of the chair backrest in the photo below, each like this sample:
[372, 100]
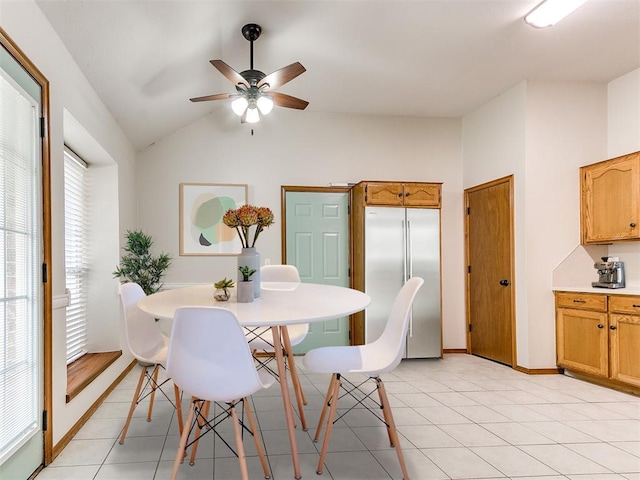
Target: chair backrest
[209, 356]
[279, 273]
[143, 336]
[392, 341]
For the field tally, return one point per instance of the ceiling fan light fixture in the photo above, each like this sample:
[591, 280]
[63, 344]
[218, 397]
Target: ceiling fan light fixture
[550, 12]
[239, 105]
[252, 115]
[265, 104]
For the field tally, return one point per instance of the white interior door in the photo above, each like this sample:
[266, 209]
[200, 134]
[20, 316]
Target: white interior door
[21, 293]
[317, 243]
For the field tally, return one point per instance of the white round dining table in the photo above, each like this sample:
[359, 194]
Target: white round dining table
[280, 304]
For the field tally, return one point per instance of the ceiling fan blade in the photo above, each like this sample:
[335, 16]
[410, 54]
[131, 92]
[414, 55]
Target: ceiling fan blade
[282, 76]
[233, 76]
[284, 100]
[217, 96]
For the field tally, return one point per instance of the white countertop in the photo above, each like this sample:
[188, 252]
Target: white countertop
[604, 291]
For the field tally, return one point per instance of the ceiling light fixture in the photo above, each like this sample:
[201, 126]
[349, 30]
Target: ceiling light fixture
[255, 95]
[550, 12]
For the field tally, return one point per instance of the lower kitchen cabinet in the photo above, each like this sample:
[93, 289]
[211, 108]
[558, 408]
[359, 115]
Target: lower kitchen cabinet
[624, 339]
[598, 335]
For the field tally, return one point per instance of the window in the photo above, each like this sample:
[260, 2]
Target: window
[76, 235]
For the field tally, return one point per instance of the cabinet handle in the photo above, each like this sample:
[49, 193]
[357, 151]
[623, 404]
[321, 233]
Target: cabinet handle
[632, 225]
[400, 195]
[600, 325]
[636, 306]
[612, 327]
[579, 301]
[407, 194]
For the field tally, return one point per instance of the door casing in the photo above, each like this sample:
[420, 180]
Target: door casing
[47, 304]
[311, 189]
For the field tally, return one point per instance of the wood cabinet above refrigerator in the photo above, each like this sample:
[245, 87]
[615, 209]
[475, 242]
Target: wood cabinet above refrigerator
[401, 194]
[610, 200]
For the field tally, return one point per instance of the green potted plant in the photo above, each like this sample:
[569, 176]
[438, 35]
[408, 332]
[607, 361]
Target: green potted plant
[245, 287]
[138, 265]
[222, 289]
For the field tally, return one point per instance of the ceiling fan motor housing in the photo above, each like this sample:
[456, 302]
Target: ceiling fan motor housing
[251, 31]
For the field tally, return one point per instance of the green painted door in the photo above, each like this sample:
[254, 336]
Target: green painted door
[317, 243]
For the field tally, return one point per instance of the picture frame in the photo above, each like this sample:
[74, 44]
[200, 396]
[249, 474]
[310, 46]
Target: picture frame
[202, 206]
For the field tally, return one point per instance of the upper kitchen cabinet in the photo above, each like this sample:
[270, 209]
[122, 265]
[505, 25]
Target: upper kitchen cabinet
[402, 194]
[609, 202]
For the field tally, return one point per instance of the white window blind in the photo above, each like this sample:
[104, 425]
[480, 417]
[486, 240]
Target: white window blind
[20, 318]
[76, 248]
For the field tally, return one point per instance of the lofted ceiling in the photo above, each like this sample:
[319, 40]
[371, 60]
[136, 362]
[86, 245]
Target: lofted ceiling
[422, 58]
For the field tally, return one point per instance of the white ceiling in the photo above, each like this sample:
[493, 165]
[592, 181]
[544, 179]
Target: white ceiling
[146, 58]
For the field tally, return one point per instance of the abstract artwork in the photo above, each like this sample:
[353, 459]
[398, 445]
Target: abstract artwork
[202, 206]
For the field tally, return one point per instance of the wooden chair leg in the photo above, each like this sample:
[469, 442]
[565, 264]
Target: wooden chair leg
[180, 453]
[257, 441]
[239, 446]
[325, 405]
[154, 387]
[332, 414]
[134, 403]
[297, 389]
[205, 414]
[393, 433]
[176, 390]
[385, 412]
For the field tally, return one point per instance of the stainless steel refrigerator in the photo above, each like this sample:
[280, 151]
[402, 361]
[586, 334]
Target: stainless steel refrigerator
[401, 243]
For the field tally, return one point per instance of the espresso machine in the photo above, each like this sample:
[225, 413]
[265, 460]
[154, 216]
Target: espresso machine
[611, 273]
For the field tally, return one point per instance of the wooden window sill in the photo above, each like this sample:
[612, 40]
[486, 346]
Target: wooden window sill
[84, 370]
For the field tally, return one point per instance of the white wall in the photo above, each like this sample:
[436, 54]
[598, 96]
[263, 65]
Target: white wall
[566, 128]
[70, 91]
[541, 133]
[303, 148]
[624, 137]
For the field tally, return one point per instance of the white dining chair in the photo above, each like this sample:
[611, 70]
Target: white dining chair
[209, 357]
[149, 346]
[373, 359]
[261, 339]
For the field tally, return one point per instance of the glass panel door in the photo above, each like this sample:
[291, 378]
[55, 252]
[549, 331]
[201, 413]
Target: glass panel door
[21, 324]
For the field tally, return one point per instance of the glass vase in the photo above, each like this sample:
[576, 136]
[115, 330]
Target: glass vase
[249, 257]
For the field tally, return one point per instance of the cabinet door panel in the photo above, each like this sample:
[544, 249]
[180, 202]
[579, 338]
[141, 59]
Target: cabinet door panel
[582, 340]
[421, 195]
[610, 193]
[625, 344]
[384, 194]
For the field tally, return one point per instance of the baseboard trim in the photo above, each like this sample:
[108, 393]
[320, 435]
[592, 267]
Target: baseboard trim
[454, 350]
[606, 382]
[64, 441]
[539, 371]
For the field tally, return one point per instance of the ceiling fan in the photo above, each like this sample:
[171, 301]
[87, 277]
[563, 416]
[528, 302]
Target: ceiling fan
[255, 93]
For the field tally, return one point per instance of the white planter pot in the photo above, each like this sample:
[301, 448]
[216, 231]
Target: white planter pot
[245, 291]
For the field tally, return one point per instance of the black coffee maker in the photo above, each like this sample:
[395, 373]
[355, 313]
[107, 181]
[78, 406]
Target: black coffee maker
[611, 273]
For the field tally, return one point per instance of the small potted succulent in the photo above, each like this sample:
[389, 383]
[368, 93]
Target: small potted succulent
[222, 289]
[245, 287]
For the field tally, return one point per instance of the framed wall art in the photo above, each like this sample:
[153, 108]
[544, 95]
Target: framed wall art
[202, 206]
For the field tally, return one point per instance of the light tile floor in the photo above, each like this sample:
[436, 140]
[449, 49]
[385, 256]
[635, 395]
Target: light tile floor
[460, 417]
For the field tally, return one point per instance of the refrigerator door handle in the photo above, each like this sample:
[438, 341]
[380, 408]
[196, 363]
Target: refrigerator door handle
[410, 250]
[404, 253]
[409, 262]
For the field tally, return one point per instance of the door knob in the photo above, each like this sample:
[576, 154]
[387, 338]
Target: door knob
[504, 283]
